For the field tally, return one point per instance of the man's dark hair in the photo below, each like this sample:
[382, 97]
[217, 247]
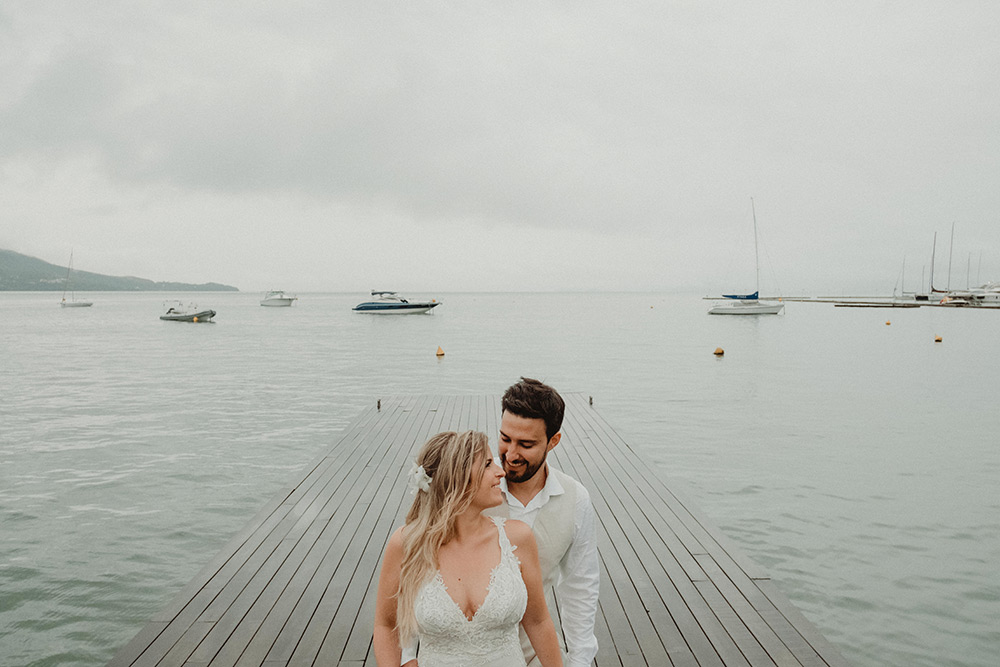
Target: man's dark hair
[532, 399]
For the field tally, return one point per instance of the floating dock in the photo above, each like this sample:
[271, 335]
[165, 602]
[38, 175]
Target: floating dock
[297, 585]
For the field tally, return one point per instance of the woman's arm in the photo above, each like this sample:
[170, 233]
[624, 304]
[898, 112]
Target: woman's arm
[537, 622]
[386, 638]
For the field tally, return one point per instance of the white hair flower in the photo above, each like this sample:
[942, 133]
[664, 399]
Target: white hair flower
[418, 479]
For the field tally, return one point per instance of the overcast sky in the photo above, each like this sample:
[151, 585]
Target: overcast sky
[453, 146]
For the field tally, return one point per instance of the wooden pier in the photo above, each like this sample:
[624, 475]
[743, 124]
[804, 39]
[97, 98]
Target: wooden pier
[297, 585]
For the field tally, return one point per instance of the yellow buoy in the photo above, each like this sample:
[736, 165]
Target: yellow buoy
[440, 352]
[937, 339]
[195, 319]
[719, 352]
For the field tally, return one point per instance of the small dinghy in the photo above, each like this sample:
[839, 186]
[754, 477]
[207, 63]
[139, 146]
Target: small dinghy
[178, 312]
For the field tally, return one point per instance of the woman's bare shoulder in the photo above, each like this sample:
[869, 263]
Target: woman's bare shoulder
[395, 543]
[518, 532]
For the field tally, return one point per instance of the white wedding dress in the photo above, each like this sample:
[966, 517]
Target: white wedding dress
[490, 639]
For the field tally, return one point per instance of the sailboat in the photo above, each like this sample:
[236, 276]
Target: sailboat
[748, 304]
[72, 303]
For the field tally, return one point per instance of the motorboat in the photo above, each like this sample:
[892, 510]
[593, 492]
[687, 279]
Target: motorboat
[178, 312]
[390, 303]
[277, 298]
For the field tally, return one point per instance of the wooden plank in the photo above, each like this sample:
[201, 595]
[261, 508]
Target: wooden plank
[783, 606]
[746, 614]
[351, 548]
[606, 656]
[679, 601]
[656, 633]
[701, 530]
[353, 607]
[359, 641]
[328, 606]
[620, 629]
[285, 496]
[130, 652]
[183, 612]
[268, 539]
[297, 585]
[222, 647]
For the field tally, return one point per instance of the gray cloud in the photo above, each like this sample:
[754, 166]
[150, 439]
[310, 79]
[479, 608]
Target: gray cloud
[856, 126]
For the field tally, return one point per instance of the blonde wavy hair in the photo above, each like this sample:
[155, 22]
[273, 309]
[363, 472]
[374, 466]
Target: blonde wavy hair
[454, 462]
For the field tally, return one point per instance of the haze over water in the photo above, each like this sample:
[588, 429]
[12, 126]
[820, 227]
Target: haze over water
[856, 461]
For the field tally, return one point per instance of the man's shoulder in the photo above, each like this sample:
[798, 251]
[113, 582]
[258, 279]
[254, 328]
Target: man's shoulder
[567, 481]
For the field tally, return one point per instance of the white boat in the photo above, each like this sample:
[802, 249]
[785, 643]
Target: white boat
[178, 312]
[987, 294]
[277, 298]
[390, 303]
[748, 304]
[72, 303]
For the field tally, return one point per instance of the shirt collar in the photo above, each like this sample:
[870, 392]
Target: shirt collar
[552, 488]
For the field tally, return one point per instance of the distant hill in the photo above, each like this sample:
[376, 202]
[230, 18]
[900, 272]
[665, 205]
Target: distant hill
[21, 273]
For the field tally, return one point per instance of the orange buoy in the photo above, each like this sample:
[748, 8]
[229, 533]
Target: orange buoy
[937, 339]
[195, 319]
[887, 323]
[440, 352]
[719, 352]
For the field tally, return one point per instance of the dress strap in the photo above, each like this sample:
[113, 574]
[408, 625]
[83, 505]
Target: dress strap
[506, 548]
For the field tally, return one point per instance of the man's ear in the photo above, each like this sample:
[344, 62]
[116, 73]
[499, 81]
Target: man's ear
[553, 441]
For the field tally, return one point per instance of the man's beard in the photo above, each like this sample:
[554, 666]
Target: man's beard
[528, 472]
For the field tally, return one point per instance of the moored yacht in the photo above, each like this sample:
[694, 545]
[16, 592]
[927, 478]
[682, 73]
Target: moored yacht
[390, 303]
[277, 298]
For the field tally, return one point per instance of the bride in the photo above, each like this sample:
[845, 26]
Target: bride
[450, 576]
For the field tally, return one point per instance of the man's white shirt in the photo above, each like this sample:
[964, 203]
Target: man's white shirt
[579, 571]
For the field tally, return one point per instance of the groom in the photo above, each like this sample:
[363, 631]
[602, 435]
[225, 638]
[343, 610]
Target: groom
[558, 509]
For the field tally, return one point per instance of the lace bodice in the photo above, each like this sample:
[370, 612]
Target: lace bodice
[490, 639]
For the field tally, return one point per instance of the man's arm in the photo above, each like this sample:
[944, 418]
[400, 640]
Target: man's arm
[578, 588]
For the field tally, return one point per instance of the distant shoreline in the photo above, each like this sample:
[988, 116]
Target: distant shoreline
[22, 273]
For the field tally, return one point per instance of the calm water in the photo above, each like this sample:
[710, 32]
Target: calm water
[857, 462]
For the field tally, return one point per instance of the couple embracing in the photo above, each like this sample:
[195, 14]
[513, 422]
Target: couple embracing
[485, 544]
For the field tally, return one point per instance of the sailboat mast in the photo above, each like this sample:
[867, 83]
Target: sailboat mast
[756, 255]
[933, 250]
[68, 269]
[951, 248]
